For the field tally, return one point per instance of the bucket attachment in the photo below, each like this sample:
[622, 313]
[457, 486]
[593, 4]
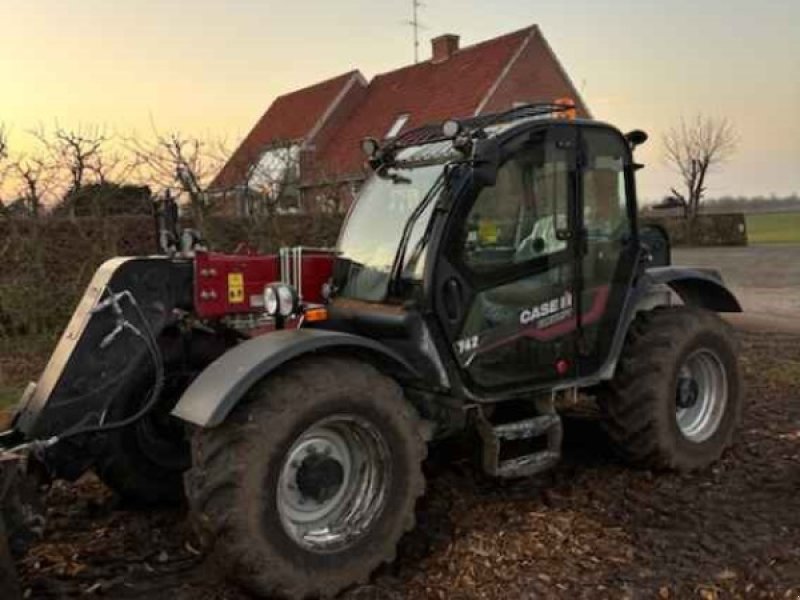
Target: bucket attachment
[128, 301]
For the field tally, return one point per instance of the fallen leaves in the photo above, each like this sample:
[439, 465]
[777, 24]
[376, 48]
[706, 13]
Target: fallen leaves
[593, 528]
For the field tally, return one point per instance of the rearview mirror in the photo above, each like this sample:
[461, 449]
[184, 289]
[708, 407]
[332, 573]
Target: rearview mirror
[637, 137]
[486, 161]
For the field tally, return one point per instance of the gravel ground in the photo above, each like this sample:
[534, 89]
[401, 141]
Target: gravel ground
[764, 277]
[591, 528]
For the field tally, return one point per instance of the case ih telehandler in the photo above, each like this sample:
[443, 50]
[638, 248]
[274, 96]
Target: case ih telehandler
[490, 270]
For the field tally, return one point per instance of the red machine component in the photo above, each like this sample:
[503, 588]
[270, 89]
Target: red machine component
[229, 284]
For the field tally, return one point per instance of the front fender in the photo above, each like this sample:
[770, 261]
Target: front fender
[698, 287]
[220, 387]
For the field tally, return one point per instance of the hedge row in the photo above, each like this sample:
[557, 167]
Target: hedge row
[45, 265]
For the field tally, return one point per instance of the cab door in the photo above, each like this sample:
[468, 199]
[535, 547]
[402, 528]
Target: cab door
[610, 247]
[504, 284]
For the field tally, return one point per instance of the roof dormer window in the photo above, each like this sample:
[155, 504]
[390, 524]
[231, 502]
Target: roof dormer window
[398, 124]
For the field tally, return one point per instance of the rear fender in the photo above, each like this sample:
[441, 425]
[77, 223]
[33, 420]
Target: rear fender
[218, 389]
[697, 287]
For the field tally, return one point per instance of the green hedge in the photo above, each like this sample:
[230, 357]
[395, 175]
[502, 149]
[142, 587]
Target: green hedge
[704, 230]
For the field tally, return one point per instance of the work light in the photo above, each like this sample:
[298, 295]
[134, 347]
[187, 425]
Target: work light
[280, 299]
[370, 146]
[451, 128]
[287, 300]
[271, 303]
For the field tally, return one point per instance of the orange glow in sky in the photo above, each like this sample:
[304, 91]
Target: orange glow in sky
[211, 67]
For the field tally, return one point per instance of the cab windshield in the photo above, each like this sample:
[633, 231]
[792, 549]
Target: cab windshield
[374, 229]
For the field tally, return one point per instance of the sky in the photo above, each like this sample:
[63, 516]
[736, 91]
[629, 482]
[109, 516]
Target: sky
[211, 67]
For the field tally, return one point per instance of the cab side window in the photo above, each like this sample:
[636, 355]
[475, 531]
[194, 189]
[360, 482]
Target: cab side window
[519, 218]
[605, 198]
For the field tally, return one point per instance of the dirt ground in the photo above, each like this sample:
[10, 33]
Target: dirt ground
[592, 528]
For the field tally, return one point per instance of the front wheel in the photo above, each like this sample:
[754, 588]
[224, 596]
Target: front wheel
[312, 480]
[675, 399]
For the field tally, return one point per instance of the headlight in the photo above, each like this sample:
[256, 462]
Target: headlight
[287, 300]
[280, 299]
[271, 300]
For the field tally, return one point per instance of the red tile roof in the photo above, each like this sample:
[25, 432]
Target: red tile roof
[478, 79]
[290, 117]
[428, 91]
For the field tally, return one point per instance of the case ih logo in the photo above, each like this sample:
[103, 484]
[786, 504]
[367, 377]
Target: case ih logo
[556, 306]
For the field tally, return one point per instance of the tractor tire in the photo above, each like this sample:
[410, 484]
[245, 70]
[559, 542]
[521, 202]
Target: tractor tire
[311, 482]
[144, 463]
[676, 397]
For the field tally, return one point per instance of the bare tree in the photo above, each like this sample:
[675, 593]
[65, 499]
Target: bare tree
[179, 161]
[694, 149]
[33, 174]
[30, 175]
[3, 142]
[75, 153]
[3, 161]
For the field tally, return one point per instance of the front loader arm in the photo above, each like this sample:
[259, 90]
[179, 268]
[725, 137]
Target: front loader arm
[103, 348]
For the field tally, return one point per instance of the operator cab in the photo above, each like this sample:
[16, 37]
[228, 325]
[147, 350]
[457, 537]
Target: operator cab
[504, 250]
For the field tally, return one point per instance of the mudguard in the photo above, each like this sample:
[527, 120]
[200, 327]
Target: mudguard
[698, 287]
[218, 389]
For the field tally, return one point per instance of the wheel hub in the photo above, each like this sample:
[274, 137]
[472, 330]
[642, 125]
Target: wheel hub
[701, 395]
[319, 478]
[688, 392]
[333, 483]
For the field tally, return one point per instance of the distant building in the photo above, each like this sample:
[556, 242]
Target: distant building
[307, 144]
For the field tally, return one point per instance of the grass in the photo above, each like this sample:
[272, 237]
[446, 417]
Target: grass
[9, 396]
[21, 361]
[773, 228]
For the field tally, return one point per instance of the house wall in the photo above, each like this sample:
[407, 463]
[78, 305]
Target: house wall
[535, 76]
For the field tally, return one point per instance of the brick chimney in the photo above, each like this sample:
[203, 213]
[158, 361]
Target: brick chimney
[444, 47]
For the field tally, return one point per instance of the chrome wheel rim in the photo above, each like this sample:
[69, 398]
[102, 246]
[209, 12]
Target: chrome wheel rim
[333, 483]
[701, 395]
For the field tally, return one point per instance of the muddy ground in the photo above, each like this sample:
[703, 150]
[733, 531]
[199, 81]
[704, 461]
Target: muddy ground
[592, 528]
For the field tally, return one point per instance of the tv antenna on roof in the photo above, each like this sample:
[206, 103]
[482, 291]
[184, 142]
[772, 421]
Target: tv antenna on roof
[416, 25]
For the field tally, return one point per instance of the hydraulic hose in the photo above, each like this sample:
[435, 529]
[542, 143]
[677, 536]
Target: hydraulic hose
[151, 344]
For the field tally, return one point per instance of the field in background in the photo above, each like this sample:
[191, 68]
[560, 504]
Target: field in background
[772, 228]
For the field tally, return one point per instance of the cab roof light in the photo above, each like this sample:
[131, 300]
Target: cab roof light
[567, 109]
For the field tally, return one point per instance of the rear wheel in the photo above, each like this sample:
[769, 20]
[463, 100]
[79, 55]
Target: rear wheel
[311, 482]
[144, 463]
[675, 399]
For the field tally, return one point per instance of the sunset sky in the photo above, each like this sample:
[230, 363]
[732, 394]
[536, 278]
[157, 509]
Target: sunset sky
[211, 67]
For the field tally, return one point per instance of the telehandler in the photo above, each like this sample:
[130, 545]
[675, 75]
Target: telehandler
[491, 269]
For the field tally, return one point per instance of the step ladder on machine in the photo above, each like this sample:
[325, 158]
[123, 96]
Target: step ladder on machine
[521, 448]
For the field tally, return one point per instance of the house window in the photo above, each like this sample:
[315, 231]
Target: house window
[273, 181]
[397, 125]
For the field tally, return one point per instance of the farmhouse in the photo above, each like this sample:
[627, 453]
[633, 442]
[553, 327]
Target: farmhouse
[306, 145]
